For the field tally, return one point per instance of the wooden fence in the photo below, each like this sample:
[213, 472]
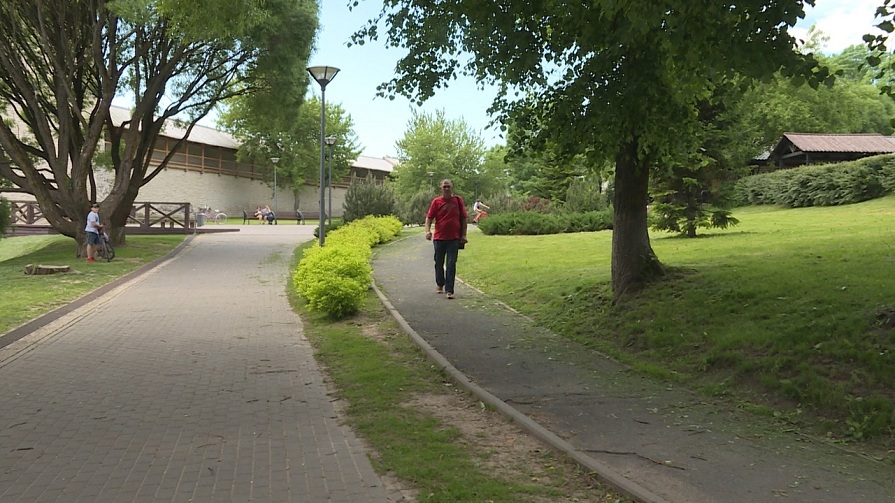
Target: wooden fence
[145, 218]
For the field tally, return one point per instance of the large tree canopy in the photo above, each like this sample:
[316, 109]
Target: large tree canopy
[443, 147]
[608, 79]
[62, 63]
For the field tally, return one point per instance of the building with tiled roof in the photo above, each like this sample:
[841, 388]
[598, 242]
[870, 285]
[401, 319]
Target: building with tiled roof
[796, 149]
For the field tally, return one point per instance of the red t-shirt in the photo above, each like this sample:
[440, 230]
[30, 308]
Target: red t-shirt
[447, 213]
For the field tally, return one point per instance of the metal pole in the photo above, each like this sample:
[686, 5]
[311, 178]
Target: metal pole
[322, 225]
[275, 184]
[330, 179]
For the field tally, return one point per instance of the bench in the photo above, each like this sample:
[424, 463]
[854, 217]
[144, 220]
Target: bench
[248, 217]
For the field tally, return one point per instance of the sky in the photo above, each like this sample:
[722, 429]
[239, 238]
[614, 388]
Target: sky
[379, 122]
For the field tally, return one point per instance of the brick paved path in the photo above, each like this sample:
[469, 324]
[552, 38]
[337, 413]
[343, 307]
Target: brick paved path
[191, 383]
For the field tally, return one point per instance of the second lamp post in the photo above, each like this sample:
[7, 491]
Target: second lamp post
[330, 141]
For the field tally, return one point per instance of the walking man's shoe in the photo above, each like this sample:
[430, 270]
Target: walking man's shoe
[91, 259]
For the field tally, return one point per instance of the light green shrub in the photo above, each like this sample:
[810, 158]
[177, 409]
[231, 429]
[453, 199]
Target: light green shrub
[334, 279]
[351, 262]
[336, 296]
[356, 235]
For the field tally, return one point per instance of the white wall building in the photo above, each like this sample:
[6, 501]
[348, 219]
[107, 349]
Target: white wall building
[205, 172]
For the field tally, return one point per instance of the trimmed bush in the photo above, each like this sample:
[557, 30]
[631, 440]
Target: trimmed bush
[820, 185]
[334, 279]
[338, 297]
[531, 223]
[350, 261]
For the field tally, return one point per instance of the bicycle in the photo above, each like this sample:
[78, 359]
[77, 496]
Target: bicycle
[218, 217]
[104, 249]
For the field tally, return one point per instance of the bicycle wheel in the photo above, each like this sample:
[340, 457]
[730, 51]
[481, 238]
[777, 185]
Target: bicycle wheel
[106, 251]
[220, 218]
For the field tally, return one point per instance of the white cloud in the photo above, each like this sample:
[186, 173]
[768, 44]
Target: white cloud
[845, 22]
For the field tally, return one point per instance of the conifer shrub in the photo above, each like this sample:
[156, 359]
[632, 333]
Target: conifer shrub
[584, 196]
[414, 211]
[365, 198]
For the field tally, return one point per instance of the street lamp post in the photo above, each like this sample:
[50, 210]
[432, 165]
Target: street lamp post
[274, 160]
[431, 182]
[323, 75]
[330, 140]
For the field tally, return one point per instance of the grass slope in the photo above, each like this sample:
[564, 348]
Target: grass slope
[785, 312]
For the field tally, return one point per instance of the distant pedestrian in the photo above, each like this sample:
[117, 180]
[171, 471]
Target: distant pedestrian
[94, 228]
[479, 210]
[449, 214]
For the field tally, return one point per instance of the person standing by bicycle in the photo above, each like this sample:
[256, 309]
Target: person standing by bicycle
[94, 228]
[449, 214]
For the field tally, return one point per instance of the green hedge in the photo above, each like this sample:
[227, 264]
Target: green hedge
[820, 185]
[334, 279]
[532, 223]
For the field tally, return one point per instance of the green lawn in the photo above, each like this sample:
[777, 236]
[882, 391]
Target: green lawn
[27, 297]
[782, 313]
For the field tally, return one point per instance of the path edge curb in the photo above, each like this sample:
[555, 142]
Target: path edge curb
[603, 472]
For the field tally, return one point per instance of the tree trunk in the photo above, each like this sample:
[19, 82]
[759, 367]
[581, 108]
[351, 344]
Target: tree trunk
[81, 243]
[634, 264]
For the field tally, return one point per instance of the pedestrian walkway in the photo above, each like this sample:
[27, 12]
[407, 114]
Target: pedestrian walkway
[649, 439]
[190, 383]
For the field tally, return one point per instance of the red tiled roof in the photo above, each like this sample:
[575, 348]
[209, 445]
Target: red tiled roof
[862, 143]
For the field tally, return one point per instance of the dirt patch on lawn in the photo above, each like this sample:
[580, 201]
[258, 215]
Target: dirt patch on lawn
[507, 452]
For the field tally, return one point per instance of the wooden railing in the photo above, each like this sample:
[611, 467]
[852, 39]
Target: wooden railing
[144, 218]
[160, 215]
[26, 212]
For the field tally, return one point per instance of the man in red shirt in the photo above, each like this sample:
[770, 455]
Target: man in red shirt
[449, 214]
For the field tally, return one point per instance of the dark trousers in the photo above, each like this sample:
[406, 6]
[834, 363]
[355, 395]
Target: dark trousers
[446, 263]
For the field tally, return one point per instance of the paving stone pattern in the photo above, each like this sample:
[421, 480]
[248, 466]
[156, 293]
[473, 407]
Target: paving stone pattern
[190, 383]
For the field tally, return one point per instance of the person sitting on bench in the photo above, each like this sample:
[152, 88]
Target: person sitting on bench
[262, 213]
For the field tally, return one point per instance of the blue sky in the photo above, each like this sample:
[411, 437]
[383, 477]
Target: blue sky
[379, 122]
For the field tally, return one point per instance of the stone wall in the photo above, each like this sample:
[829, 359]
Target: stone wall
[226, 193]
